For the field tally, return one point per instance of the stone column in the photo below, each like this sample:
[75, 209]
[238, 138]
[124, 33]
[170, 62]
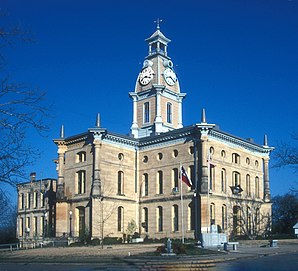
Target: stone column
[96, 191]
[60, 182]
[267, 196]
[180, 112]
[158, 118]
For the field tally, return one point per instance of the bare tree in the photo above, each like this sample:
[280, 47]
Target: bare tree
[22, 109]
[286, 155]
[247, 219]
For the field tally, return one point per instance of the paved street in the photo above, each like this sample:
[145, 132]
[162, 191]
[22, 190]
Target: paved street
[287, 262]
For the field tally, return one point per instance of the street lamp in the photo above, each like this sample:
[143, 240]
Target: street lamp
[70, 218]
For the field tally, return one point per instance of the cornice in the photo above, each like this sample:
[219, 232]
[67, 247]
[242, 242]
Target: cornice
[227, 138]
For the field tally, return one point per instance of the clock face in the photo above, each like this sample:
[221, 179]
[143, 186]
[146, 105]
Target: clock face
[146, 76]
[170, 76]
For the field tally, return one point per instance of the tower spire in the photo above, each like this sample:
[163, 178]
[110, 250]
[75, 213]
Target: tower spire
[97, 124]
[62, 131]
[265, 140]
[158, 21]
[203, 117]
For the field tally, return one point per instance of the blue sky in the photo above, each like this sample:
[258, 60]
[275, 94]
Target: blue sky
[238, 59]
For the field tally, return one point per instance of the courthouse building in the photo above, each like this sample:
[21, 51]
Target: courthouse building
[107, 180]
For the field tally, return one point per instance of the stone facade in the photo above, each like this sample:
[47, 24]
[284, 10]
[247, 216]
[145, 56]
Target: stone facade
[36, 209]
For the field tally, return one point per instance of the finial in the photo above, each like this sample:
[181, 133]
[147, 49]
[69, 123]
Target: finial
[62, 131]
[203, 118]
[265, 140]
[158, 21]
[97, 120]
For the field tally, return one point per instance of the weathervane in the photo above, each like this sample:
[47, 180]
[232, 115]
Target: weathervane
[158, 21]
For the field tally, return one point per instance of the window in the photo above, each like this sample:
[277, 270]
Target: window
[175, 217]
[169, 113]
[159, 156]
[223, 180]
[175, 177]
[175, 153]
[159, 182]
[81, 157]
[121, 156]
[22, 201]
[146, 112]
[236, 220]
[145, 159]
[41, 200]
[191, 150]
[236, 178]
[21, 227]
[212, 177]
[120, 219]
[159, 219]
[42, 225]
[145, 219]
[248, 190]
[35, 199]
[35, 226]
[236, 158]
[257, 219]
[249, 221]
[120, 190]
[257, 163]
[28, 204]
[145, 184]
[257, 187]
[224, 218]
[212, 214]
[223, 154]
[81, 182]
[27, 224]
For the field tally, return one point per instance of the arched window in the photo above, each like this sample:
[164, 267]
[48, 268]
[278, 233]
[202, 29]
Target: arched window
[236, 178]
[120, 190]
[223, 180]
[120, 219]
[81, 182]
[224, 218]
[159, 216]
[169, 113]
[248, 190]
[249, 221]
[159, 182]
[236, 220]
[146, 113]
[175, 217]
[212, 214]
[145, 219]
[175, 177]
[257, 187]
[236, 158]
[145, 184]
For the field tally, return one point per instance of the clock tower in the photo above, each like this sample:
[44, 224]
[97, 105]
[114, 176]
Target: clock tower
[157, 101]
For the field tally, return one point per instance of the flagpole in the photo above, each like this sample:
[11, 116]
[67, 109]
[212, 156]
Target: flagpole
[182, 217]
